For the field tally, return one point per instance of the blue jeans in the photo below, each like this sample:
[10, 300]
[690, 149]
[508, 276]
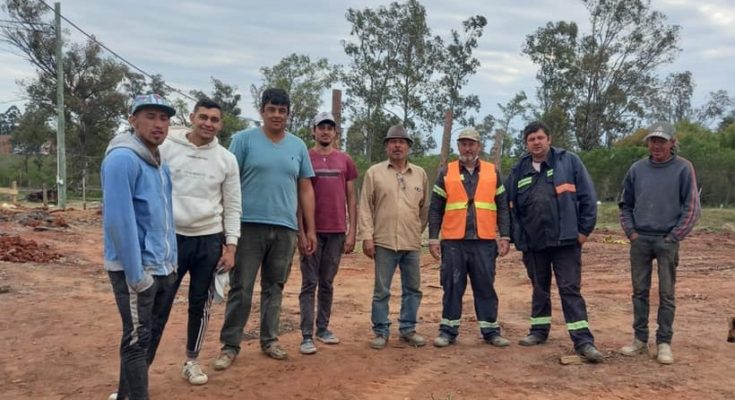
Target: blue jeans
[385, 266]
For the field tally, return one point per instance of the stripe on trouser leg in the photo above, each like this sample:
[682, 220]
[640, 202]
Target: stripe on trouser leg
[486, 324]
[573, 326]
[450, 322]
[204, 320]
[541, 321]
[133, 296]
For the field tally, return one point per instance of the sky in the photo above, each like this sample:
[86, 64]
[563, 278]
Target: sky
[187, 42]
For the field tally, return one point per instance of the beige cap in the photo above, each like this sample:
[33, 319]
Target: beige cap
[469, 134]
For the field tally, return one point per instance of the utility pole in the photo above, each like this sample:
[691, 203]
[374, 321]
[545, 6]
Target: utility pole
[60, 122]
[337, 113]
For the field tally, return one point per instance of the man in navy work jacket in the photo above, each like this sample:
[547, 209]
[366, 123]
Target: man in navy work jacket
[553, 211]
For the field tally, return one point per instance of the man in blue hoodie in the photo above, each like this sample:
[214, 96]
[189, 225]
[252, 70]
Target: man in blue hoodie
[139, 239]
[553, 210]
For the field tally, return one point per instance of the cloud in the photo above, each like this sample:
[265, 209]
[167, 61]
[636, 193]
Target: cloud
[504, 68]
[188, 41]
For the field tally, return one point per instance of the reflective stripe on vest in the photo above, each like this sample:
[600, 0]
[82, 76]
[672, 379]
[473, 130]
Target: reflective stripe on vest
[455, 211]
[565, 187]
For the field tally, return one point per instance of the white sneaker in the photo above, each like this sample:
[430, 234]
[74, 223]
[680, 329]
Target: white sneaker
[664, 354]
[193, 373]
[635, 348]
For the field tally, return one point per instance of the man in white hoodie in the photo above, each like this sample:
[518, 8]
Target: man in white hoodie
[207, 209]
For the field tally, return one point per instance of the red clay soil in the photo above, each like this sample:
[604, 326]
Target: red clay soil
[18, 250]
[60, 332]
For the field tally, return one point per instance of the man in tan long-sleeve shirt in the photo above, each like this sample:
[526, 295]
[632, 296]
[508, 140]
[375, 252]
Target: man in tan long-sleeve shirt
[394, 208]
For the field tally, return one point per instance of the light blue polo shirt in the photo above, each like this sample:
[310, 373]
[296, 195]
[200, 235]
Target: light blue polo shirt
[269, 174]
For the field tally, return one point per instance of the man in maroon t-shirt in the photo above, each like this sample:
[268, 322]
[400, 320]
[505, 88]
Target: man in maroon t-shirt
[334, 191]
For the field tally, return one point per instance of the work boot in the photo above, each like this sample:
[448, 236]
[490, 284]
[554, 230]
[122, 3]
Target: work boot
[498, 341]
[664, 354]
[378, 342]
[443, 341]
[414, 339]
[591, 353]
[635, 348]
[531, 340]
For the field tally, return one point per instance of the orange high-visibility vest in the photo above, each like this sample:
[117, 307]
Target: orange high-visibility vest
[455, 211]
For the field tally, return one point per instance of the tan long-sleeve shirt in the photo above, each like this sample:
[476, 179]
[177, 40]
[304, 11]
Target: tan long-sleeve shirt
[394, 206]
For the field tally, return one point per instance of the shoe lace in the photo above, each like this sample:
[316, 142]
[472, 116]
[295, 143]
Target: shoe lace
[194, 369]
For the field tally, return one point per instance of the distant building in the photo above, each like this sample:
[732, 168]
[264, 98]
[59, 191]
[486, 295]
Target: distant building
[5, 146]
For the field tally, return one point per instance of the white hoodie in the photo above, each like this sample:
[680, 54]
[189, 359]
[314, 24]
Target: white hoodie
[206, 187]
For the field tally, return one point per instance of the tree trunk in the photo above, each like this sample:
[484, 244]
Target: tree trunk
[446, 139]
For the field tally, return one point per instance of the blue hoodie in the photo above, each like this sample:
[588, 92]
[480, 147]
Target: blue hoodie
[137, 221]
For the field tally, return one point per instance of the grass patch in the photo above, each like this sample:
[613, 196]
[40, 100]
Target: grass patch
[712, 219]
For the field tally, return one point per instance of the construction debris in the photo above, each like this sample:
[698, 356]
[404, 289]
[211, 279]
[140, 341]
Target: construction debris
[18, 250]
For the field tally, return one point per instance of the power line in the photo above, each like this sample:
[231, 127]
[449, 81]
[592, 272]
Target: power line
[15, 100]
[12, 21]
[121, 58]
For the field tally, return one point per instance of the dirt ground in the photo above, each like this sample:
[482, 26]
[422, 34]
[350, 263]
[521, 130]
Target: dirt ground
[60, 331]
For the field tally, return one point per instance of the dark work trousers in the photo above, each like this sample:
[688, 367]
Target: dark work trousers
[567, 265]
[318, 271]
[268, 248]
[198, 255]
[144, 317]
[475, 258]
[642, 252]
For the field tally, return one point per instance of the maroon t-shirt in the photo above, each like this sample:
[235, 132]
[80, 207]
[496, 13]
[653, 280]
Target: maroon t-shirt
[332, 171]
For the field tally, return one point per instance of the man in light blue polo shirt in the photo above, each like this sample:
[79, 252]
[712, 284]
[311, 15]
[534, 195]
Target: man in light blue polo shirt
[275, 177]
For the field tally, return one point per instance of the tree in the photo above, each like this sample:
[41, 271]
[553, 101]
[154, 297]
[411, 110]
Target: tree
[717, 106]
[411, 87]
[158, 85]
[9, 120]
[671, 100]
[598, 82]
[31, 134]
[553, 48]
[397, 67]
[513, 109]
[305, 81]
[94, 102]
[458, 64]
[373, 53]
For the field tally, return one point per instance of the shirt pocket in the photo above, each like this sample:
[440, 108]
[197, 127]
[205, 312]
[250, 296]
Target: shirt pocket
[414, 195]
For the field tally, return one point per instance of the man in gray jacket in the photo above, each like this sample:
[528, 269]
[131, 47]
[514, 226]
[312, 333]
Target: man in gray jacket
[658, 208]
